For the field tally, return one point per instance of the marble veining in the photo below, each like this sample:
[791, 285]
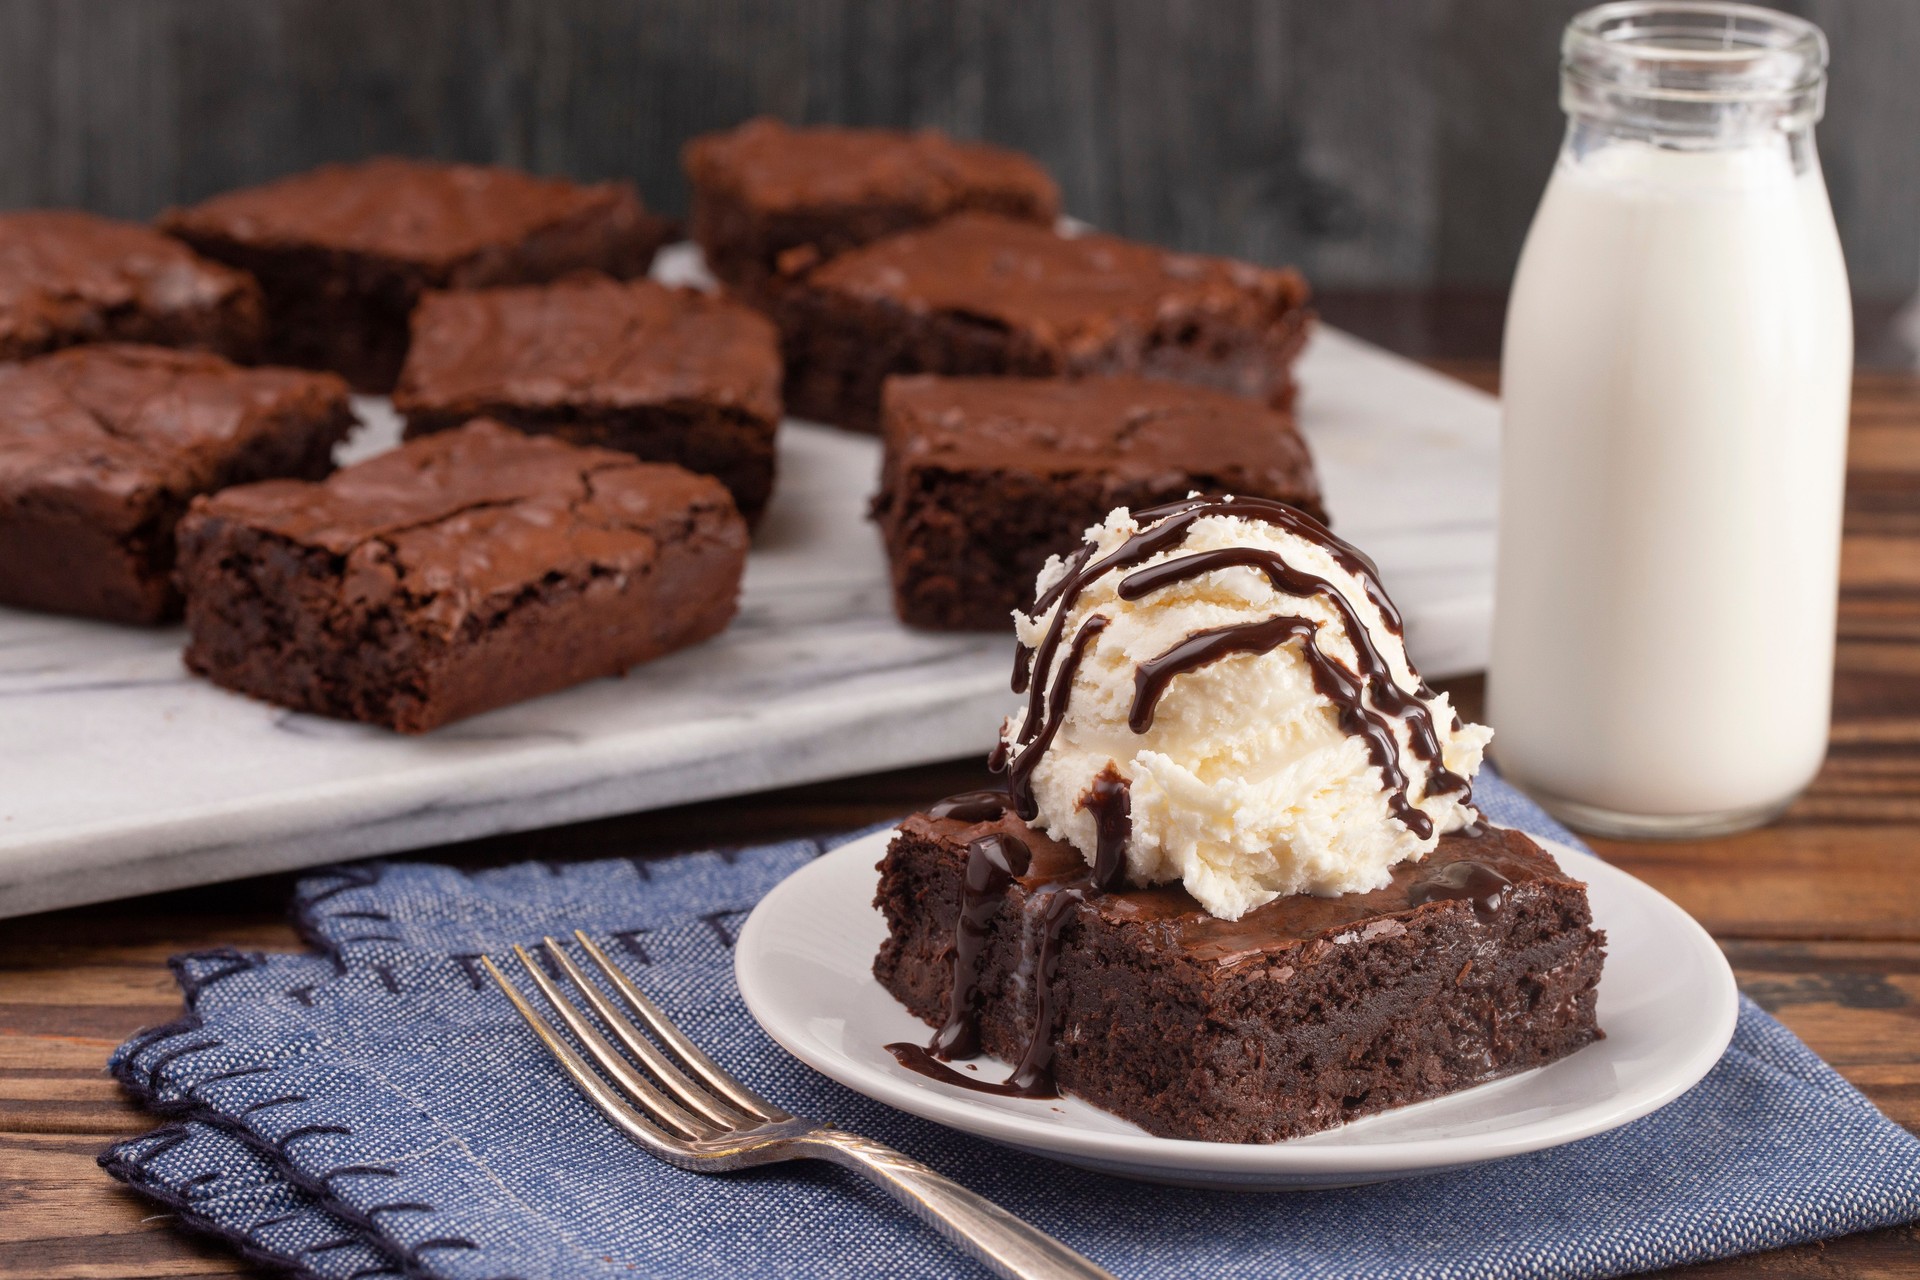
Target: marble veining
[122, 774]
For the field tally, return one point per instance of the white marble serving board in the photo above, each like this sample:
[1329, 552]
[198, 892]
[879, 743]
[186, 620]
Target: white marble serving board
[120, 774]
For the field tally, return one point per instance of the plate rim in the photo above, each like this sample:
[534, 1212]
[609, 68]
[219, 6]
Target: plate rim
[1147, 1151]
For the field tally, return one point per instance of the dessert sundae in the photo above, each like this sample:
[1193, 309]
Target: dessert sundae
[1235, 887]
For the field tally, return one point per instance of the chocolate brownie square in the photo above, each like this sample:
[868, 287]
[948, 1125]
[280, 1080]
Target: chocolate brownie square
[984, 478]
[460, 572]
[68, 277]
[345, 251]
[978, 294]
[668, 375]
[103, 446]
[1303, 1014]
[763, 189]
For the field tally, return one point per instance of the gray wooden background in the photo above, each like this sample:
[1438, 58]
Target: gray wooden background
[1375, 142]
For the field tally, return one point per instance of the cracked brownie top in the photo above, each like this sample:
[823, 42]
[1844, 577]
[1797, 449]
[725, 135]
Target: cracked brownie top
[467, 520]
[68, 276]
[409, 210]
[119, 421]
[589, 341]
[1129, 427]
[781, 169]
[1076, 291]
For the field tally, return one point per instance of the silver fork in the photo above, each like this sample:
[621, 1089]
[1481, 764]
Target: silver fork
[698, 1117]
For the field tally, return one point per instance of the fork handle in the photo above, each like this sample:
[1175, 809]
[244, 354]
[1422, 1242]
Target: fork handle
[1007, 1245]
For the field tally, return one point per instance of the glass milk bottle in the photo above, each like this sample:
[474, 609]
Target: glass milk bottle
[1675, 379]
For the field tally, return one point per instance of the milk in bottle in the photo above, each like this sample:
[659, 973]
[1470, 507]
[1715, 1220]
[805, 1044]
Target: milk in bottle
[1675, 383]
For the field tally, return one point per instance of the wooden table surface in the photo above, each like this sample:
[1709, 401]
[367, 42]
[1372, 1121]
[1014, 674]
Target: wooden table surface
[1819, 914]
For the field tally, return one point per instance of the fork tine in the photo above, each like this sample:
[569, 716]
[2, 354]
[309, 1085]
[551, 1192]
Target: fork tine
[670, 1035]
[598, 1091]
[685, 1091]
[638, 1088]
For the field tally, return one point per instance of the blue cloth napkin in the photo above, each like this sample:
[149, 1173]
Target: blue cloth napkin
[377, 1109]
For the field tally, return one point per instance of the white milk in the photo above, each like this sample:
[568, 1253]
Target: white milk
[1675, 377]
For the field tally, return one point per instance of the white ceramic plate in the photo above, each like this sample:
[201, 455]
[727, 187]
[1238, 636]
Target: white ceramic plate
[1667, 1003]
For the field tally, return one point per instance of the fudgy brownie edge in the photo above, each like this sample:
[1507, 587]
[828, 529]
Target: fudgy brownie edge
[343, 252]
[1193, 1039]
[981, 295]
[668, 375]
[68, 277]
[984, 478]
[762, 190]
[103, 445]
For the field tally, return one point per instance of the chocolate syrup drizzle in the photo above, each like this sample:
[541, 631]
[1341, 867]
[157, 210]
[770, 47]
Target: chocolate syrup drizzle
[972, 806]
[1476, 882]
[1110, 801]
[993, 862]
[1038, 730]
[1334, 681]
[1032, 1076]
[1375, 685]
[991, 859]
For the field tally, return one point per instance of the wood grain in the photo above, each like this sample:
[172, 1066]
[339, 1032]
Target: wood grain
[1374, 142]
[1819, 914]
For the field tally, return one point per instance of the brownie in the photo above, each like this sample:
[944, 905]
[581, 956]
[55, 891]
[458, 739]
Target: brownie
[1303, 1014]
[460, 572]
[984, 478]
[68, 277]
[669, 375]
[979, 294]
[344, 252]
[763, 189]
[102, 447]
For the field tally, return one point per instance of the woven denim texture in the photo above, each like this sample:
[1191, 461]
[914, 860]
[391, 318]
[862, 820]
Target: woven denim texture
[378, 1109]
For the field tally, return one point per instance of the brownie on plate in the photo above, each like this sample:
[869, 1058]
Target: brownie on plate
[102, 447]
[1303, 1014]
[345, 251]
[984, 478]
[462, 571]
[763, 189]
[668, 375]
[979, 294]
[69, 277]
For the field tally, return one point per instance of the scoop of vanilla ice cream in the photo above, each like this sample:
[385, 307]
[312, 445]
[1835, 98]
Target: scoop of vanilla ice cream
[1245, 787]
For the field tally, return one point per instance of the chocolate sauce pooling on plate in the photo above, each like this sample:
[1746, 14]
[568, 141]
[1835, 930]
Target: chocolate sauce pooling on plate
[916, 1058]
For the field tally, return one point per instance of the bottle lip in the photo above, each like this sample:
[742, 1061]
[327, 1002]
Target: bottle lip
[1695, 51]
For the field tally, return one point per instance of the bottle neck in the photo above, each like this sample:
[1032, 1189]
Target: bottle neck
[1588, 137]
[1694, 75]
[1683, 123]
